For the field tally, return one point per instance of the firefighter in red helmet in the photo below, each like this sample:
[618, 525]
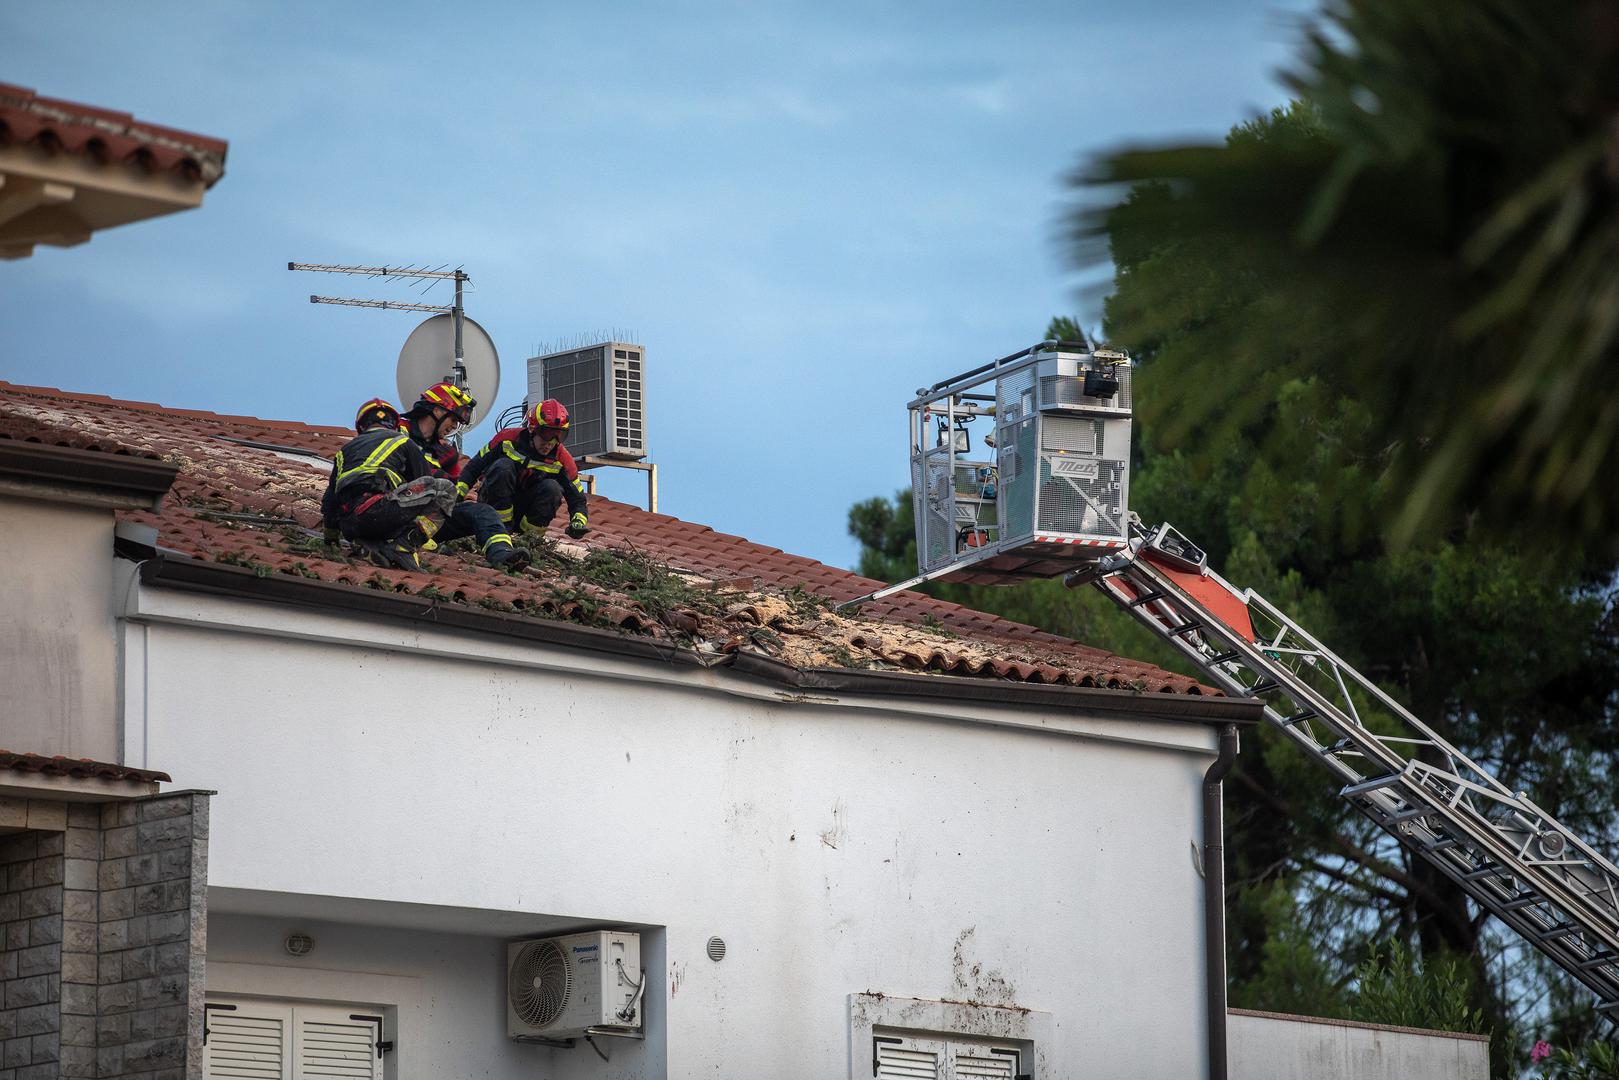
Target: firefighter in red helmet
[391, 492]
[527, 472]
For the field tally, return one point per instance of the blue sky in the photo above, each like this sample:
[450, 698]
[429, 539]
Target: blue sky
[804, 211]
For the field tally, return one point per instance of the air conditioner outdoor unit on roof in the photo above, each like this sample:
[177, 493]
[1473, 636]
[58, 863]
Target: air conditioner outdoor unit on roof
[563, 987]
[603, 387]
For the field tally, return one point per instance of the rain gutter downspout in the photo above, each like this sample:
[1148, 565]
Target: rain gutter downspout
[1214, 897]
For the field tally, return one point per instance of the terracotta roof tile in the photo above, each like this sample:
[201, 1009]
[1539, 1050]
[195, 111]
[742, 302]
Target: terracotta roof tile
[219, 477]
[108, 137]
[82, 768]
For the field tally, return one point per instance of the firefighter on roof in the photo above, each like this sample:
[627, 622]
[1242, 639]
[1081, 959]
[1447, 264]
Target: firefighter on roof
[527, 473]
[387, 493]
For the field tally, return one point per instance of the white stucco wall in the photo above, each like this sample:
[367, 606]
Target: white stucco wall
[442, 995]
[57, 645]
[839, 845]
[1269, 1046]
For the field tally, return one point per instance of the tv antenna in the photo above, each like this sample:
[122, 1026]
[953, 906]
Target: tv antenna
[474, 366]
[456, 311]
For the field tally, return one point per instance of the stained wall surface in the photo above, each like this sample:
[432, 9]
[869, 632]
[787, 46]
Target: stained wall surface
[935, 850]
[58, 658]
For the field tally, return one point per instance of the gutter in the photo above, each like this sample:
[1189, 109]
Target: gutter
[1214, 898]
[196, 575]
[1194, 708]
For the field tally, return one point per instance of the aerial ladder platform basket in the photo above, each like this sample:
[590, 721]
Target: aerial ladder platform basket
[1052, 500]
[1020, 468]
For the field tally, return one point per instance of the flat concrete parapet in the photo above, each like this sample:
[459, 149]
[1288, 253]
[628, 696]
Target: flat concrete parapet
[1277, 1046]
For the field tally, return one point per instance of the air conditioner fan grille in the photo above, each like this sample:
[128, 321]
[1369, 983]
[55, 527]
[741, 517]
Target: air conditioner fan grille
[540, 983]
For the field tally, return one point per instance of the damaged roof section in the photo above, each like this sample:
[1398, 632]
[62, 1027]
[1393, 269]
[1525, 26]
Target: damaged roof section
[248, 490]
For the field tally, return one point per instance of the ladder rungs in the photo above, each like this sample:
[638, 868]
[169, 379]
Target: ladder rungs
[1146, 598]
[1607, 1006]
[1440, 844]
[1263, 686]
[1225, 657]
[1521, 901]
[1365, 786]
[1300, 717]
[1481, 873]
[1410, 812]
[1185, 628]
[1601, 960]
[1558, 931]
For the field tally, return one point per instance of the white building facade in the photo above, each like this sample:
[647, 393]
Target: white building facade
[907, 872]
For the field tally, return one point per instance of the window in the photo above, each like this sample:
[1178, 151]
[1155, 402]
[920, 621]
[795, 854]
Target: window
[265, 1040]
[907, 1057]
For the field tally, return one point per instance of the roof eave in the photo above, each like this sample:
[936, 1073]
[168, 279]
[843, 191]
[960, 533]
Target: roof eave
[68, 474]
[26, 785]
[183, 572]
[1131, 704]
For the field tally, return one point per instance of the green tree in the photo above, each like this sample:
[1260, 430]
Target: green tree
[1274, 460]
[1449, 213]
[1399, 987]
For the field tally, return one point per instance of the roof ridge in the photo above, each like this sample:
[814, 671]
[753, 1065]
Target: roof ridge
[154, 406]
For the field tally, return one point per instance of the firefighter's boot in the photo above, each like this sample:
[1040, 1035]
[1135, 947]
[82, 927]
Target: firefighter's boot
[509, 558]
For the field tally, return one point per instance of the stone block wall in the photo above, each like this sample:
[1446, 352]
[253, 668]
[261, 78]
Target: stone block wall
[103, 938]
[31, 957]
[153, 878]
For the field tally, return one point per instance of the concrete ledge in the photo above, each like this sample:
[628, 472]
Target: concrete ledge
[1331, 1022]
[1277, 1046]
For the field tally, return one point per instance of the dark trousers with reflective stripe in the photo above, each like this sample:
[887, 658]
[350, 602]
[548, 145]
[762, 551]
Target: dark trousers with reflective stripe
[384, 519]
[533, 504]
[478, 521]
[360, 516]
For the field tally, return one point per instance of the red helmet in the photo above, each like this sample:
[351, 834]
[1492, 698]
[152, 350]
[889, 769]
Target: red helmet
[449, 397]
[549, 415]
[374, 413]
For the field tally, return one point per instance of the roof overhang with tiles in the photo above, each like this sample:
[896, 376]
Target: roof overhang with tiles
[36, 776]
[68, 170]
[243, 517]
[94, 477]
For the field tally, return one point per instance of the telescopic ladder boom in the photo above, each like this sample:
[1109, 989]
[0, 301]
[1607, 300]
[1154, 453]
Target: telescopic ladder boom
[1513, 858]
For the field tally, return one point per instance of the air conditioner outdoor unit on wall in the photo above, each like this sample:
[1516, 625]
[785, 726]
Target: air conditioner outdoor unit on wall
[603, 387]
[562, 987]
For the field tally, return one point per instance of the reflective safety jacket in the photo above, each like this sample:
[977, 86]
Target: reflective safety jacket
[444, 458]
[377, 460]
[515, 445]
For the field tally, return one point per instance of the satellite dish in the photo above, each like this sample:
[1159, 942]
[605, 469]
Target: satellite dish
[429, 357]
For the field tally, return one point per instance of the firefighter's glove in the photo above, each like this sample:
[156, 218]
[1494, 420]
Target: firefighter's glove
[578, 526]
[461, 490]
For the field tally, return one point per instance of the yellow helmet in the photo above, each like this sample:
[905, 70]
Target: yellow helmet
[449, 397]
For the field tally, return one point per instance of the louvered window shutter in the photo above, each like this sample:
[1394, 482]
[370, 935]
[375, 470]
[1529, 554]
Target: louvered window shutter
[907, 1059]
[248, 1042]
[975, 1062]
[333, 1045]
